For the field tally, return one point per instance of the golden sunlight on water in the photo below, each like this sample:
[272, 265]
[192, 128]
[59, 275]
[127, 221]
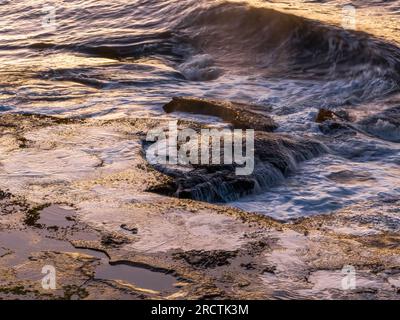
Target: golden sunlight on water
[377, 20]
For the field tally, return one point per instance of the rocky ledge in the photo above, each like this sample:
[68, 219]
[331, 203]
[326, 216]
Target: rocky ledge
[81, 204]
[241, 116]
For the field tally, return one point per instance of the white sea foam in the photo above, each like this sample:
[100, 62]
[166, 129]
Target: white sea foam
[200, 68]
[385, 130]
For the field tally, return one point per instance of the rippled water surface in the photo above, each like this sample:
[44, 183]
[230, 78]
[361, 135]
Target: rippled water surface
[113, 59]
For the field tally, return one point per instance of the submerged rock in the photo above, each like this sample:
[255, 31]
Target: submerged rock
[241, 116]
[335, 123]
[275, 156]
[324, 115]
[329, 115]
[350, 177]
[337, 129]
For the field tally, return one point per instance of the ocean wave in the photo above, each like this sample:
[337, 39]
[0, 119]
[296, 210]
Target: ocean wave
[244, 38]
[251, 53]
[200, 67]
[236, 37]
[385, 125]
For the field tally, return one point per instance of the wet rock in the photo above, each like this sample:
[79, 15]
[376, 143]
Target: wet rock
[33, 215]
[4, 252]
[74, 292]
[96, 248]
[329, 115]
[207, 185]
[345, 115]
[275, 157]
[387, 223]
[14, 291]
[363, 235]
[269, 269]
[113, 240]
[241, 116]
[74, 273]
[24, 122]
[334, 128]
[4, 194]
[206, 259]
[249, 266]
[10, 205]
[257, 247]
[281, 150]
[324, 115]
[130, 228]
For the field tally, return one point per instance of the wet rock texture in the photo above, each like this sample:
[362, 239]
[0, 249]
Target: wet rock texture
[212, 251]
[241, 116]
[275, 156]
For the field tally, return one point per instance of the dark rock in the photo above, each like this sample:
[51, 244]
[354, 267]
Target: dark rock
[269, 269]
[336, 128]
[4, 195]
[206, 259]
[249, 266]
[167, 187]
[32, 216]
[280, 150]
[344, 115]
[113, 240]
[275, 157]
[324, 115]
[329, 115]
[241, 116]
[129, 227]
[335, 123]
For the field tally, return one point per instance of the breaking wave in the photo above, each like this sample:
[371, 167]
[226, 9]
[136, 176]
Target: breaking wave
[253, 40]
